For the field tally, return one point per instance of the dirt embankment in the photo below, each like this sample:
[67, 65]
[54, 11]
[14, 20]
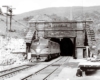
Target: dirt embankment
[12, 51]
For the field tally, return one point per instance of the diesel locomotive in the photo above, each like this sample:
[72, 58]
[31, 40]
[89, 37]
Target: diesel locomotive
[44, 49]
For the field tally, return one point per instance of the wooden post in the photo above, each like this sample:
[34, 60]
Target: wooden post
[29, 55]
[87, 47]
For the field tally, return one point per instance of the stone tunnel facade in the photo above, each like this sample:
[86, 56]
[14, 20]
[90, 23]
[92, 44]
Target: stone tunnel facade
[74, 30]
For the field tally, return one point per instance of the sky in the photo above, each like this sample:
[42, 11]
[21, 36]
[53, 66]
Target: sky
[21, 6]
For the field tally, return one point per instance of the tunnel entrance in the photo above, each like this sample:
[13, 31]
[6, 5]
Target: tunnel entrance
[67, 46]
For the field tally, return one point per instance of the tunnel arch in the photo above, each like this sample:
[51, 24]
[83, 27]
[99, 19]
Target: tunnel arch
[66, 46]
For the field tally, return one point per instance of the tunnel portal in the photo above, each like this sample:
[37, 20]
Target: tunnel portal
[66, 46]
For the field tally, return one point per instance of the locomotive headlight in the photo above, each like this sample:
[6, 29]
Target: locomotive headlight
[38, 43]
[38, 50]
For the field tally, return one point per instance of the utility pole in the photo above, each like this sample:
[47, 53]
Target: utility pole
[6, 17]
[10, 10]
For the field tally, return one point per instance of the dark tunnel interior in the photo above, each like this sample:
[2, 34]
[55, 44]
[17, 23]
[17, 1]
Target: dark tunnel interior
[66, 46]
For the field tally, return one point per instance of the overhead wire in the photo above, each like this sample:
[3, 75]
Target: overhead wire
[19, 22]
[3, 20]
[16, 21]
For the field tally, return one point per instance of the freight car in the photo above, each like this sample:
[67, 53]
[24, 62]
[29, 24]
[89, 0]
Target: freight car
[45, 49]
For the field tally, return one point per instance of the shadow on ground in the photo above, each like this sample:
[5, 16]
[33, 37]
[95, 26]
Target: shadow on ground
[90, 72]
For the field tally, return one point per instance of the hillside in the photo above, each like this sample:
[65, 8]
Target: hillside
[78, 13]
[17, 27]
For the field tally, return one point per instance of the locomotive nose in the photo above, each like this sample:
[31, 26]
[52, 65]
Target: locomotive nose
[38, 50]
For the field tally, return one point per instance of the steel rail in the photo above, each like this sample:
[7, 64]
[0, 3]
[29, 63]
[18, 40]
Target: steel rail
[50, 65]
[25, 78]
[54, 70]
[14, 71]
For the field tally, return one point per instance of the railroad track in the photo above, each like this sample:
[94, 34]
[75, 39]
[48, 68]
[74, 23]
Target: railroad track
[13, 71]
[46, 72]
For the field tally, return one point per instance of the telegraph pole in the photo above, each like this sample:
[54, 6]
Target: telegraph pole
[10, 10]
[6, 17]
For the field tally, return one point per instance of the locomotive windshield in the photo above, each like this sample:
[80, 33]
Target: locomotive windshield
[40, 41]
[36, 41]
[43, 41]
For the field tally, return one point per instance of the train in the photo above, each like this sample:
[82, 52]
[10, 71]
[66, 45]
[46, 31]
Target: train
[44, 49]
